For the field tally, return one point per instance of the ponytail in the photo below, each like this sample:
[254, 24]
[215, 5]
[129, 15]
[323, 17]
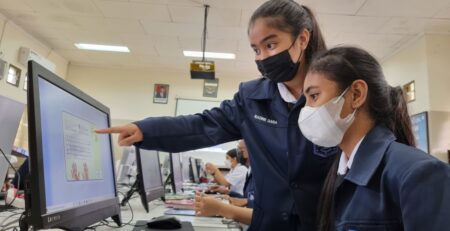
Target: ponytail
[326, 201]
[400, 122]
[316, 41]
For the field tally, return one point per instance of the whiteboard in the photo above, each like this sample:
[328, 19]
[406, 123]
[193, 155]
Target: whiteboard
[215, 154]
[192, 106]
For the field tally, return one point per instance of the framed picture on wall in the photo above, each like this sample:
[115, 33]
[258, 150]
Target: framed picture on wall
[161, 93]
[410, 91]
[13, 77]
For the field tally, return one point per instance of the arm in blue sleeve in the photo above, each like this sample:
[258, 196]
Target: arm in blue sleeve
[425, 196]
[183, 133]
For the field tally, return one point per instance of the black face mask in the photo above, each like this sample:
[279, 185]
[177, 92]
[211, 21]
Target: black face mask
[279, 67]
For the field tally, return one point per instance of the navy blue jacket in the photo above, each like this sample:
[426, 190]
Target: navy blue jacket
[391, 186]
[288, 170]
[249, 190]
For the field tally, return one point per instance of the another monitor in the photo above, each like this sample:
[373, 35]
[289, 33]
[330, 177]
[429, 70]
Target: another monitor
[176, 172]
[419, 124]
[149, 180]
[10, 114]
[194, 170]
[72, 179]
[126, 171]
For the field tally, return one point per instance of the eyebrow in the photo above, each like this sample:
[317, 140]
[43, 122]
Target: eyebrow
[310, 88]
[265, 39]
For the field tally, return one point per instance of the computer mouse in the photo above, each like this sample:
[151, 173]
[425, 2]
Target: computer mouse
[164, 222]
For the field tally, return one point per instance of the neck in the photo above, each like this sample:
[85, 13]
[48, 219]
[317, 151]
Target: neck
[360, 127]
[295, 86]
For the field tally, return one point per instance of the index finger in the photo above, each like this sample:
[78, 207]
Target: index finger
[109, 130]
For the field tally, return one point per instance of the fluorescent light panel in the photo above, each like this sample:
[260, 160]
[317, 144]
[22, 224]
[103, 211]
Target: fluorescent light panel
[99, 47]
[212, 55]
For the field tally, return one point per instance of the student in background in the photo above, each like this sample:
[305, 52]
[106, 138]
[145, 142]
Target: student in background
[239, 209]
[233, 180]
[380, 181]
[289, 171]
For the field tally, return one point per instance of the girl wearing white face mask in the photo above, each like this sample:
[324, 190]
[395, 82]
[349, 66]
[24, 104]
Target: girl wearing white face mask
[380, 181]
[235, 179]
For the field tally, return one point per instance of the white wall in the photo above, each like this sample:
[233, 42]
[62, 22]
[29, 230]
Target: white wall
[129, 93]
[13, 38]
[438, 54]
[426, 61]
[410, 64]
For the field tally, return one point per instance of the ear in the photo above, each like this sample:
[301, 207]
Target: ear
[303, 39]
[359, 91]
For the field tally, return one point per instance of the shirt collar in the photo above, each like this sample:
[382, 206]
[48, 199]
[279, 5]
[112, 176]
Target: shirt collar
[344, 163]
[370, 154]
[286, 94]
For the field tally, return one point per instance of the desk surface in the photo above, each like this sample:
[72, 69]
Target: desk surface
[156, 208]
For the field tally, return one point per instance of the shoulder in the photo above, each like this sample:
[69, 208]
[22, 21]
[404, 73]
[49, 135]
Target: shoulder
[406, 161]
[241, 169]
[255, 85]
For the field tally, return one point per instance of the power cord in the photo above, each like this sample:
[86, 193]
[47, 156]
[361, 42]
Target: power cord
[18, 180]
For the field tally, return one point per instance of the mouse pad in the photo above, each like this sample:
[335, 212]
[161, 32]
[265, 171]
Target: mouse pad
[142, 226]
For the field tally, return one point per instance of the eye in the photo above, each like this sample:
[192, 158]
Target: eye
[271, 46]
[257, 51]
[314, 96]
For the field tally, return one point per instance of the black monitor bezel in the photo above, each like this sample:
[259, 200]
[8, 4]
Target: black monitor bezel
[176, 186]
[147, 196]
[35, 202]
[194, 170]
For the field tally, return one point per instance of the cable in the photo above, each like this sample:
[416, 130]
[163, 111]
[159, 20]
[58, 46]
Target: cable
[204, 32]
[18, 181]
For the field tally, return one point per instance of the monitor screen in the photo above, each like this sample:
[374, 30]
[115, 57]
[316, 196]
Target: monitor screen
[176, 172]
[72, 170]
[126, 171]
[10, 114]
[150, 184]
[194, 170]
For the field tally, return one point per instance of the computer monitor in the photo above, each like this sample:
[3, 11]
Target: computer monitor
[10, 114]
[176, 172]
[194, 170]
[126, 171]
[72, 179]
[149, 179]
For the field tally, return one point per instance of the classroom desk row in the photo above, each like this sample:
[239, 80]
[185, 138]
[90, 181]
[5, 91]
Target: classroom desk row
[156, 208]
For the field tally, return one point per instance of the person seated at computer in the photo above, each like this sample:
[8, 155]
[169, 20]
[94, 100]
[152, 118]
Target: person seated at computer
[210, 206]
[380, 181]
[235, 179]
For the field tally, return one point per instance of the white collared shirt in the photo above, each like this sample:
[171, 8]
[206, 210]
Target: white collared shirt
[346, 164]
[236, 178]
[286, 94]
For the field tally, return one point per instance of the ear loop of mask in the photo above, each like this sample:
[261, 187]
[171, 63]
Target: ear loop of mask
[348, 117]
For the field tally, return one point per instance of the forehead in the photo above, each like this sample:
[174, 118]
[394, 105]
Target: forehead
[318, 79]
[260, 29]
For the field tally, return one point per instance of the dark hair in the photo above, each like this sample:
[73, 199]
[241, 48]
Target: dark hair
[386, 104]
[291, 17]
[235, 154]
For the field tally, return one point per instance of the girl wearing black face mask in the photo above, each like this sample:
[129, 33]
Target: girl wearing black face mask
[288, 170]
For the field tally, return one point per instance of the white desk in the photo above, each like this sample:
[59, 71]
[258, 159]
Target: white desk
[156, 209]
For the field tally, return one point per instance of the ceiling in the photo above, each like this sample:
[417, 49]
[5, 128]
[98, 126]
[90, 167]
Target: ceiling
[157, 31]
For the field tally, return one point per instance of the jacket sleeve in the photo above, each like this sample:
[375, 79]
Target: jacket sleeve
[182, 133]
[425, 196]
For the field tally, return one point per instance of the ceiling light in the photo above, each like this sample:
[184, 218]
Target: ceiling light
[98, 47]
[212, 55]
